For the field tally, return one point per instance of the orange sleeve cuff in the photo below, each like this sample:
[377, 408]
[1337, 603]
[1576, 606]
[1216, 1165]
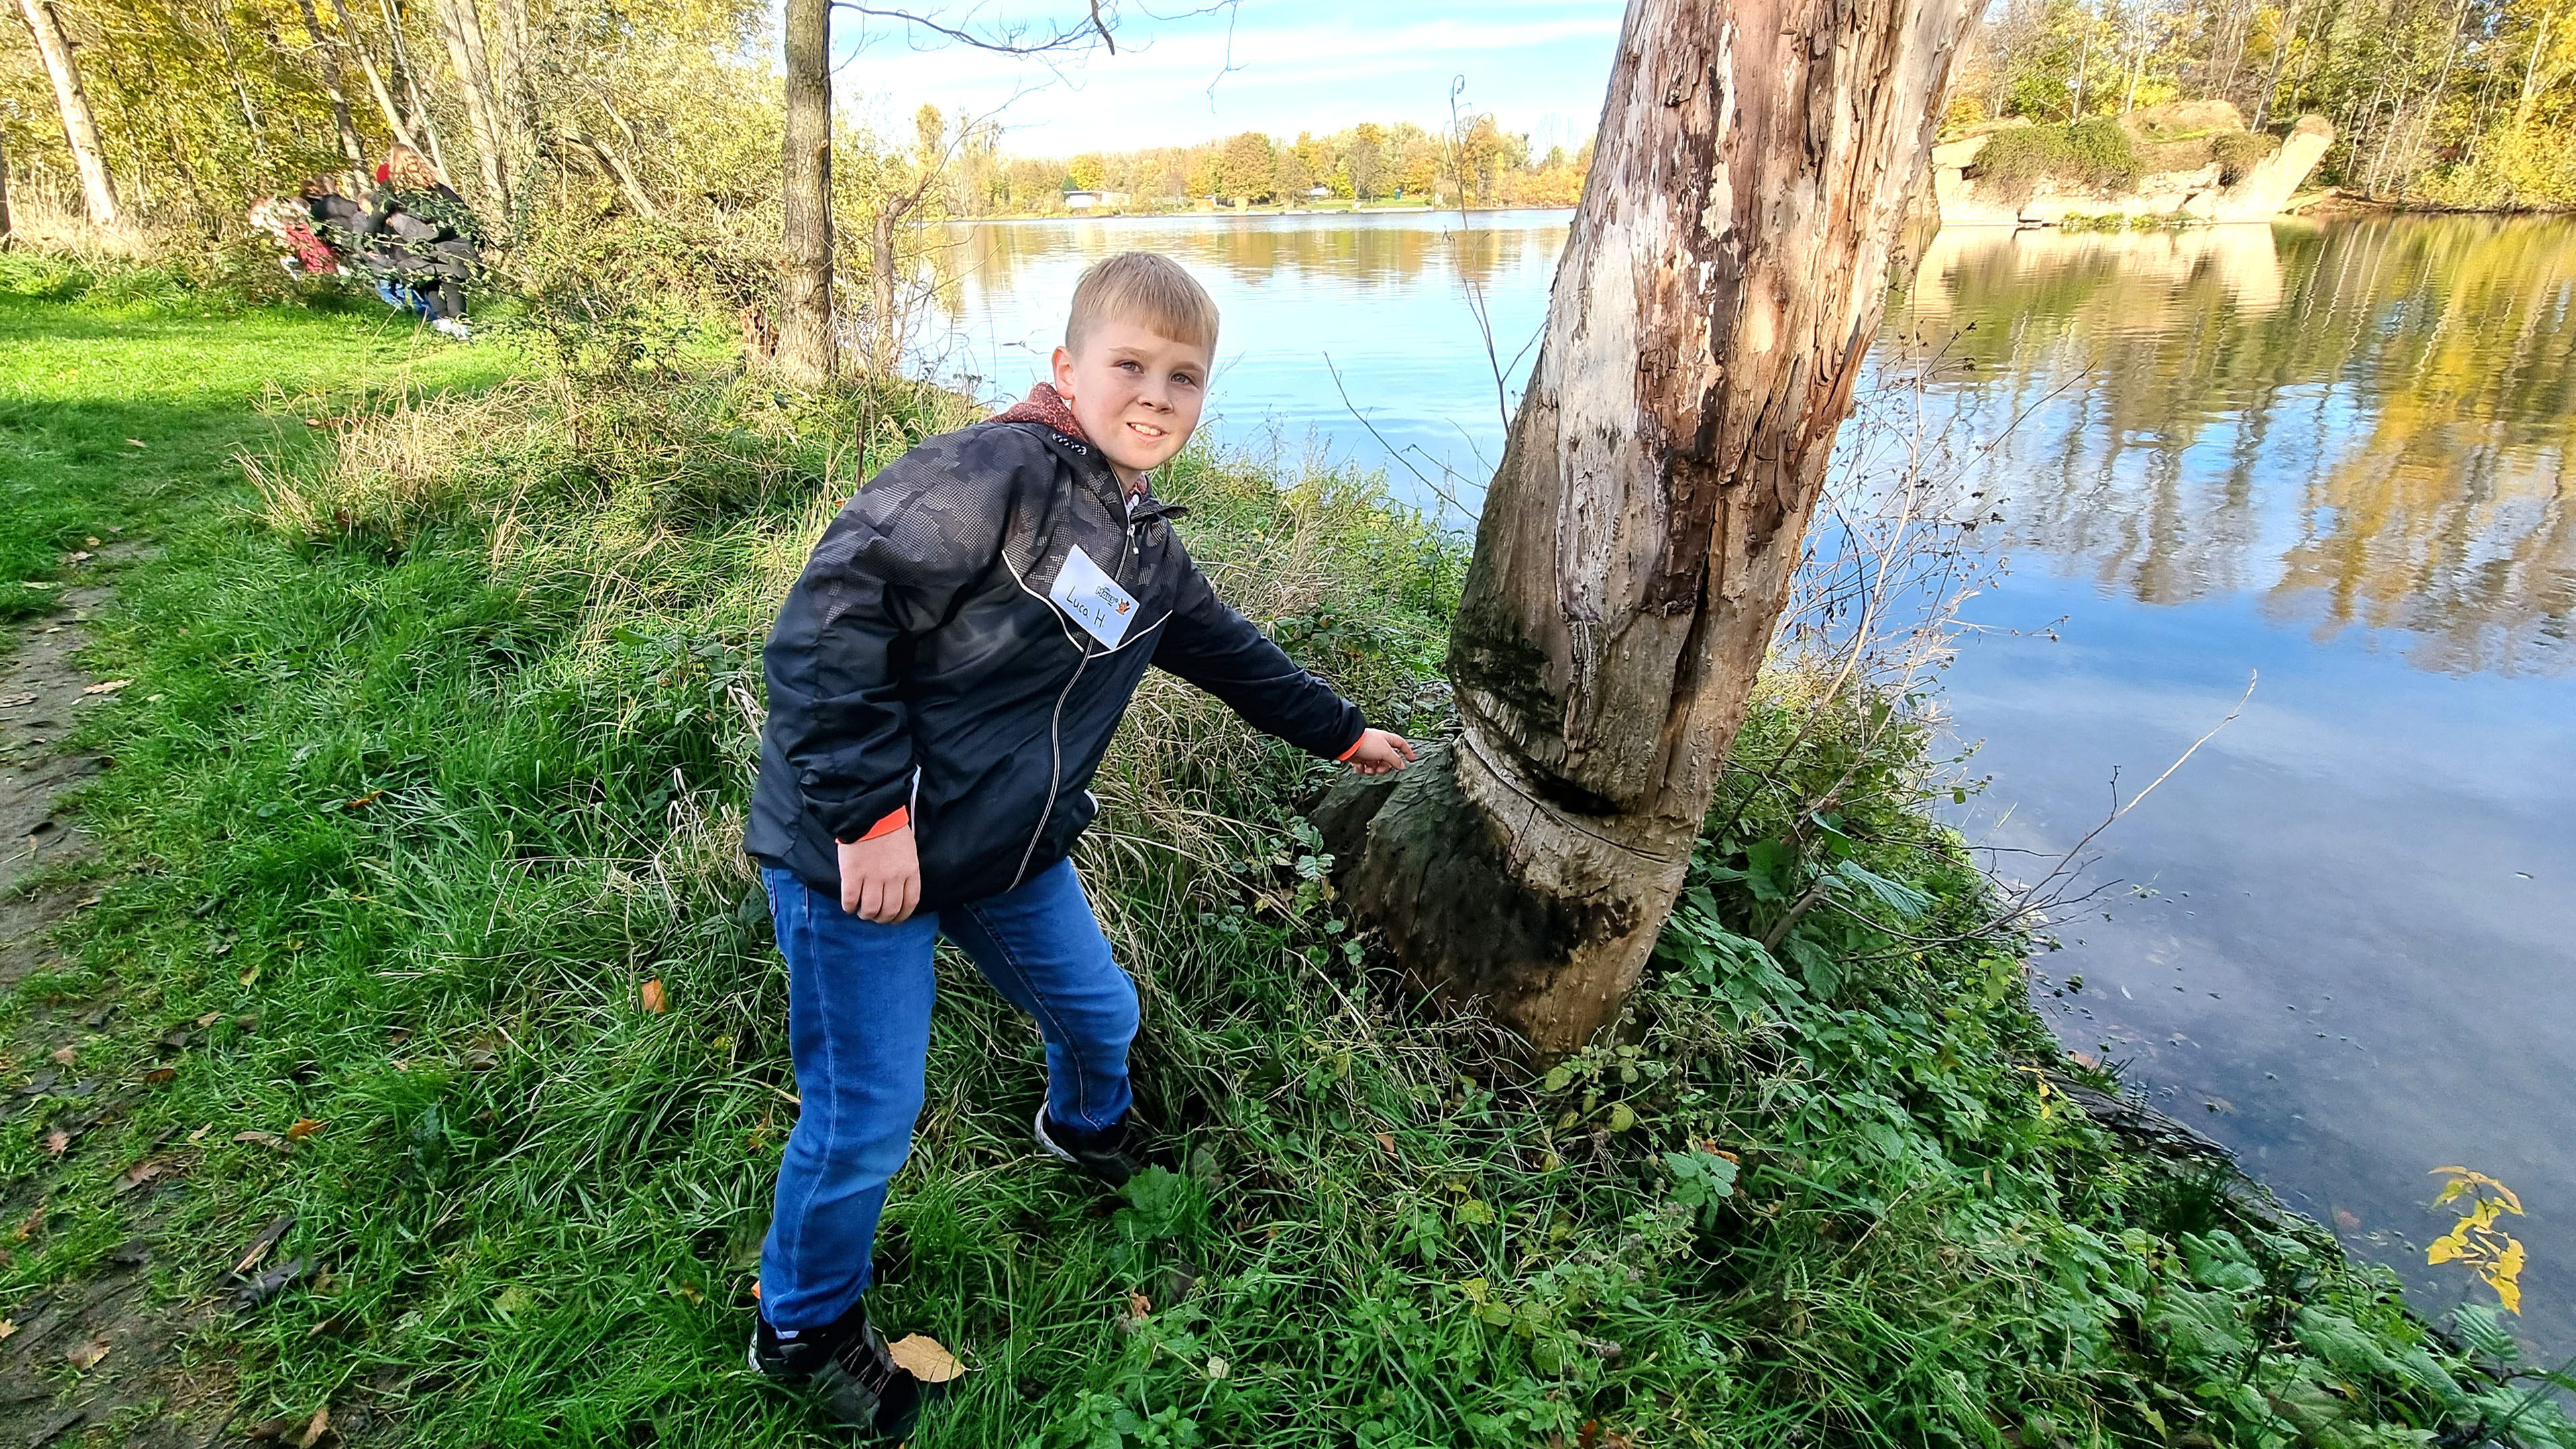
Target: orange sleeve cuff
[1344, 757]
[901, 817]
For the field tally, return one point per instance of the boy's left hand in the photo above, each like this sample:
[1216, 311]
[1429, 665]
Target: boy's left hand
[1379, 751]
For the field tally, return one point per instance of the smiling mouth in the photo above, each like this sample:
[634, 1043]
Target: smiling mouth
[1147, 431]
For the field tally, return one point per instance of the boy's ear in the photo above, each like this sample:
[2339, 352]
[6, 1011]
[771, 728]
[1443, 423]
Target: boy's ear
[1063, 368]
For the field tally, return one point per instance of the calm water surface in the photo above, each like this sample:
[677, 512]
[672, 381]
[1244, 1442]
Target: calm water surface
[2331, 456]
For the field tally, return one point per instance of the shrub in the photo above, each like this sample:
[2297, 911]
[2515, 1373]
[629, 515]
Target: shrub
[2095, 152]
[2239, 152]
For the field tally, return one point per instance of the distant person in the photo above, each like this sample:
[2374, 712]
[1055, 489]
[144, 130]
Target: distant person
[289, 225]
[333, 216]
[943, 680]
[422, 237]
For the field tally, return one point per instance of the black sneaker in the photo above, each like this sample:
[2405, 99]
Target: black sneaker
[1106, 1155]
[847, 1368]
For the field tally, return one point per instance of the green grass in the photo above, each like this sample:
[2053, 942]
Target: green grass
[436, 753]
[125, 396]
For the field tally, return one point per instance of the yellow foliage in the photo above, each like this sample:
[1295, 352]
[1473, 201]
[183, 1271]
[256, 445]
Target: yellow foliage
[2494, 1256]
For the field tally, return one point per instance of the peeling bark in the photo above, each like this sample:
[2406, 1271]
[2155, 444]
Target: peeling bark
[1719, 287]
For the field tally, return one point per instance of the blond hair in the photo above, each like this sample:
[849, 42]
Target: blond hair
[409, 170]
[1146, 288]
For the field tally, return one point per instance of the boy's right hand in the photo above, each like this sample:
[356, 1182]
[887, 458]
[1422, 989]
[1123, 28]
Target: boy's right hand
[881, 878]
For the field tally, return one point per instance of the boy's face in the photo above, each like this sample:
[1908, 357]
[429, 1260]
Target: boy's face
[1136, 392]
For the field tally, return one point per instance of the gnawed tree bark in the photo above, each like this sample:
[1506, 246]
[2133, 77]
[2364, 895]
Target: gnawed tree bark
[80, 124]
[807, 347]
[1719, 288]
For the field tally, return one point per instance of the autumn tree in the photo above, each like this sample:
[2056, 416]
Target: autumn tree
[1720, 284]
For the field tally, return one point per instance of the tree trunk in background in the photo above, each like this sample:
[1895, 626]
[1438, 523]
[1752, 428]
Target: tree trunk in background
[332, 85]
[805, 328]
[517, 93]
[462, 29]
[1718, 291]
[375, 83]
[80, 126]
[8, 231]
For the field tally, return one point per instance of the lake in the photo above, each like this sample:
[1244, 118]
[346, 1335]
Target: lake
[2329, 459]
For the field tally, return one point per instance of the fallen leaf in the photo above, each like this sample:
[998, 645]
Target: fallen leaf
[304, 1127]
[922, 1357]
[148, 1170]
[313, 422]
[1216, 1367]
[250, 976]
[264, 1139]
[107, 686]
[27, 1226]
[1387, 1141]
[314, 1431]
[209, 1019]
[1138, 1305]
[363, 801]
[134, 442]
[159, 1076]
[15, 701]
[58, 1142]
[8, 1326]
[62, 1056]
[260, 1245]
[654, 999]
[201, 1132]
[87, 1354]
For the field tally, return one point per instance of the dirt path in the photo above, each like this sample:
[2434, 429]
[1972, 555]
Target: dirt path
[101, 1359]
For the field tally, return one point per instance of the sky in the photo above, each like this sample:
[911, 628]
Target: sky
[1277, 66]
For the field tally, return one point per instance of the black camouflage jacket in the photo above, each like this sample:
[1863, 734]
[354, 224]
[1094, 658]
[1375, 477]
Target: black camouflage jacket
[920, 661]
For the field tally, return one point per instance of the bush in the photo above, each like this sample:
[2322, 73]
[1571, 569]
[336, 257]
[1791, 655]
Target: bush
[2096, 153]
[2239, 152]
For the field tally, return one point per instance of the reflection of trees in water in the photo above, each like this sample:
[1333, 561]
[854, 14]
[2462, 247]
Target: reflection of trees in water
[1258, 253]
[2370, 423]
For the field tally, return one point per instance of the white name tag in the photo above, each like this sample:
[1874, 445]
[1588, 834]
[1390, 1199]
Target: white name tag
[1093, 598]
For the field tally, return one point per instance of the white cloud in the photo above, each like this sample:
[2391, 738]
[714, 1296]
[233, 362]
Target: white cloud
[1277, 69]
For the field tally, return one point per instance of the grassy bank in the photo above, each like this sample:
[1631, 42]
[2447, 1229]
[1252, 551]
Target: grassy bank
[434, 758]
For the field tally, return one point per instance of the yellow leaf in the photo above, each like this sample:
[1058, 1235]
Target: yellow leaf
[2446, 1247]
[922, 1357]
[2452, 1191]
[655, 999]
[2505, 1276]
[8, 1326]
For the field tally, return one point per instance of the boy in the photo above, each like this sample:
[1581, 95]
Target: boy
[942, 682]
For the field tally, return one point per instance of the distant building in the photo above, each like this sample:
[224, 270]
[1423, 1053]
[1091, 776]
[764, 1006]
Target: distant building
[1319, 190]
[1095, 200]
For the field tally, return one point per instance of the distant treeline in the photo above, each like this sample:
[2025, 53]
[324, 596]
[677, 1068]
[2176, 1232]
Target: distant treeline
[1479, 163]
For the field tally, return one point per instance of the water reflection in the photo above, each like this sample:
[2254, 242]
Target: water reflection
[2366, 425]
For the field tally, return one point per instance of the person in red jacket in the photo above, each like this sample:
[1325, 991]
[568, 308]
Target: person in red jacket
[943, 679]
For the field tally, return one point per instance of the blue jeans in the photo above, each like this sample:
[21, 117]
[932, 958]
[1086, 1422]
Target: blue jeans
[858, 1025]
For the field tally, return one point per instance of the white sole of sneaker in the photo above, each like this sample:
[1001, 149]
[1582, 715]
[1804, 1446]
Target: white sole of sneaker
[1038, 1125]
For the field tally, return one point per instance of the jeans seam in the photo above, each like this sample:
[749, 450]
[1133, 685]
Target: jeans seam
[1081, 1070]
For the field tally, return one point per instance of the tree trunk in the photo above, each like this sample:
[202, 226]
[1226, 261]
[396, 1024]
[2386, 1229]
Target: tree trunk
[332, 84]
[80, 126]
[8, 231]
[1718, 291]
[375, 82]
[223, 27]
[517, 82]
[462, 29]
[805, 328]
[422, 123]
